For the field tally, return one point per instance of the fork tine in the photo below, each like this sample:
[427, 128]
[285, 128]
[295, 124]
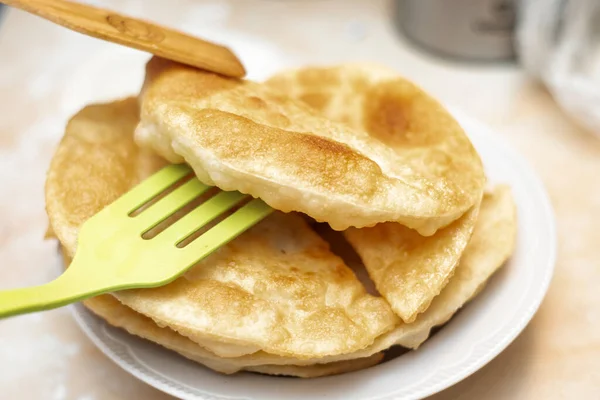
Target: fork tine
[226, 230]
[200, 216]
[169, 204]
[149, 188]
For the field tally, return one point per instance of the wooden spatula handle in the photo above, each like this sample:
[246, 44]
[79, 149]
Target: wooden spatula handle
[131, 32]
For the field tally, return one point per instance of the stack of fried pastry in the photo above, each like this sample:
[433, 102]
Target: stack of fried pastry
[352, 154]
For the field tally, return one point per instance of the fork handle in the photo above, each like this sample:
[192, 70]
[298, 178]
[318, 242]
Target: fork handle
[131, 32]
[65, 289]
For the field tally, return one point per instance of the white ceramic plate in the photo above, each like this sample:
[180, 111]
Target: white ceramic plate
[476, 335]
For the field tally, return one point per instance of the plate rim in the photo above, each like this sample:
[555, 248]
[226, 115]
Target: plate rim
[180, 390]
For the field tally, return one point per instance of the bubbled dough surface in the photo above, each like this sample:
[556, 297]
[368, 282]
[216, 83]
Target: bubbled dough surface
[408, 269]
[492, 243]
[248, 137]
[276, 288]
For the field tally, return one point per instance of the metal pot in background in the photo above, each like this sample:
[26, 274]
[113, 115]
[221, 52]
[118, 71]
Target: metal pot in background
[478, 30]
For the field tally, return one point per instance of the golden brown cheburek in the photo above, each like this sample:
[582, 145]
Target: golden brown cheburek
[97, 143]
[276, 288]
[255, 276]
[491, 244]
[408, 269]
[116, 314]
[241, 135]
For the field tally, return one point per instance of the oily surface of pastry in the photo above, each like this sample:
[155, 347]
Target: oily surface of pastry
[491, 245]
[276, 288]
[250, 137]
[408, 269]
[354, 146]
[97, 142]
[118, 315]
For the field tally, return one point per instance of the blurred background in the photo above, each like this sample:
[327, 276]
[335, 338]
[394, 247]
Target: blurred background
[555, 41]
[530, 69]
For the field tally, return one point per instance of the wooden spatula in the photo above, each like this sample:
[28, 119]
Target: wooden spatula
[131, 32]
[114, 252]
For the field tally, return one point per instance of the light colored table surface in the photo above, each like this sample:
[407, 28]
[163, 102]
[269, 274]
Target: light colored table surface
[47, 73]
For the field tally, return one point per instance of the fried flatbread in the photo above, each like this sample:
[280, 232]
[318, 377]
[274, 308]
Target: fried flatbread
[491, 245]
[408, 269]
[246, 136]
[275, 300]
[276, 288]
[116, 314]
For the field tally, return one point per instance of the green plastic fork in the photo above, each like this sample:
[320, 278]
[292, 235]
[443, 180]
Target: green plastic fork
[112, 254]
